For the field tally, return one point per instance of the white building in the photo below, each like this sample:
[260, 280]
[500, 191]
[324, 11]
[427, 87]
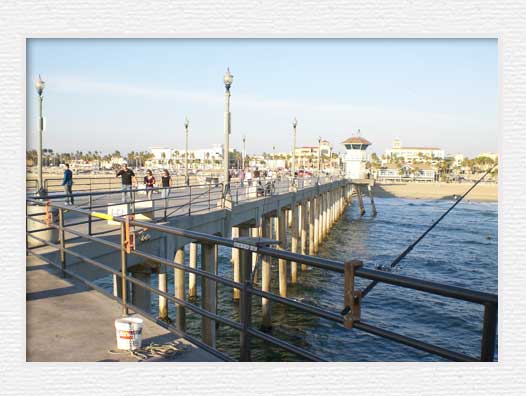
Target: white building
[356, 157]
[459, 158]
[414, 154]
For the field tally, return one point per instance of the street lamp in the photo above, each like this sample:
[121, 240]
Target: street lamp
[319, 158]
[244, 152]
[186, 178]
[294, 125]
[39, 85]
[227, 79]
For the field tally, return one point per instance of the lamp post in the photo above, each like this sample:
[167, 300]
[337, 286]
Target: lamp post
[294, 125]
[244, 152]
[186, 177]
[227, 79]
[319, 158]
[39, 85]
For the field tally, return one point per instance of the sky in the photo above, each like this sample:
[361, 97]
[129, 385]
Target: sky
[132, 94]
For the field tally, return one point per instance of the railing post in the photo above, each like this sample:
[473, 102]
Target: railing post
[124, 265]
[245, 303]
[489, 332]
[62, 241]
[89, 216]
[208, 294]
[351, 297]
[190, 202]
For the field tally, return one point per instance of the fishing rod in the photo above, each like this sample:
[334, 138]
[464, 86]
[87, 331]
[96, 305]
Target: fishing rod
[411, 246]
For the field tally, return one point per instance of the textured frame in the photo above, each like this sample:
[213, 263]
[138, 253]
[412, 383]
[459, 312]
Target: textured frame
[255, 18]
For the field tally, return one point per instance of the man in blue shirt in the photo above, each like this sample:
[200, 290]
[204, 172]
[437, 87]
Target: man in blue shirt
[67, 182]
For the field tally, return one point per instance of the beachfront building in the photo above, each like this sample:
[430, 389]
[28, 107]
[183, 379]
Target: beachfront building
[412, 155]
[209, 158]
[356, 157]
[307, 156]
[406, 172]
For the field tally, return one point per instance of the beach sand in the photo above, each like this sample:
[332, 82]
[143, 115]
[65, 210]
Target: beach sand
[482, 192]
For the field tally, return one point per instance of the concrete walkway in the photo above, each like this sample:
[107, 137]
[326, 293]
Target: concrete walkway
[67, 322]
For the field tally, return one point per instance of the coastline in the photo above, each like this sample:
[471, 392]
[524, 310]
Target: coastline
[483, 192]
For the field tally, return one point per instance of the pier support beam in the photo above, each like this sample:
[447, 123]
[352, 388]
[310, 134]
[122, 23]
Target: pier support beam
[255, 233]
[180, 312]
[294, 242]
[266, 322]
[281, 235]
[235, 263]
[360, 200]
[192, 289]
[373, 206]
[163, 286]
[208, 293]
[304, 228]
[316, 212]
[312, 231]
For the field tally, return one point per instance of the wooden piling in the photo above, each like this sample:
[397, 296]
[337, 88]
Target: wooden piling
[304, 229]
[294, 243]
[192, 289]
[256, 234]
[311, 227]
[360, 200]
[373, 206]
[235, 263]
[163, 303]
[317, 222]
[266, 322]
[281, 228]
[180, 312]
[208, 293]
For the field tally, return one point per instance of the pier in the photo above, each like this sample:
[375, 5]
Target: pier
[283, 229]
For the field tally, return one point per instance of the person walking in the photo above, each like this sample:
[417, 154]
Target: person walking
[166, 181]
[149, 182]
[67, 182]
[127, 178]
[241, 178]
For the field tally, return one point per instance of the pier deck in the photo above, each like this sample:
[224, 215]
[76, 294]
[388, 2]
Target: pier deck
[66, 322]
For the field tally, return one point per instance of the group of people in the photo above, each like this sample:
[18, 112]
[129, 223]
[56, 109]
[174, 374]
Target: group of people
[253, 176]
[129, 180]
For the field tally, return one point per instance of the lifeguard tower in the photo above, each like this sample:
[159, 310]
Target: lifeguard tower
[356, 157]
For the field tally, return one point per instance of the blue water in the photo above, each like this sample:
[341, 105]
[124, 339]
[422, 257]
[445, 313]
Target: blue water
[462, 251]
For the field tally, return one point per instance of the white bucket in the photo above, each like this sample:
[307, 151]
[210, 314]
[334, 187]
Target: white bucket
[129, 333]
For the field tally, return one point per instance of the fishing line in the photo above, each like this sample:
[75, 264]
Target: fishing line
[411, 246]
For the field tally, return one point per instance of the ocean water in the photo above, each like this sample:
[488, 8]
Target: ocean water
[462, 251]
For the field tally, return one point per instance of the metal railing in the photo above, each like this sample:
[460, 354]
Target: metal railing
[349, 317]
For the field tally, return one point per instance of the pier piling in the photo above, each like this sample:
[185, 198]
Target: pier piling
[281, 235]
[192, 289]
[180, 312]
[208, 293]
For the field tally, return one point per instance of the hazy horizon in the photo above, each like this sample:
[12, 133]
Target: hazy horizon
[132, 94]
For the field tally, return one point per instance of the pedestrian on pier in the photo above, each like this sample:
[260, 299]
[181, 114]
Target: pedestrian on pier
[127, 178]
[241, 178]
[166, 182]
[67, 182]
[149, 182]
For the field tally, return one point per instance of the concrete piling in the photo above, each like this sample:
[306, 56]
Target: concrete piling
[294, 242]
[163, 303]
[304, 229]
[311, 217]
[281, 235]
[235, 263]
[373, 206]
[192, 289]
[266, 272]
[180, 312]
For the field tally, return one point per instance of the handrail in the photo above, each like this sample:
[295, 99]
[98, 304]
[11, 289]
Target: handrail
[489, 301]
